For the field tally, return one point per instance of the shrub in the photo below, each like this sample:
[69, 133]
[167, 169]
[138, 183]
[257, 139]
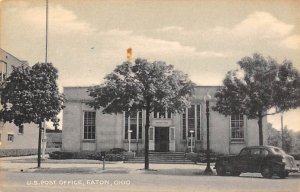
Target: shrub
[61, 155]
[115, 154]
[200, 157]
[20, 152]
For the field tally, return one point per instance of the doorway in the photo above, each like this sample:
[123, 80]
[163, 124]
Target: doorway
[162, 139]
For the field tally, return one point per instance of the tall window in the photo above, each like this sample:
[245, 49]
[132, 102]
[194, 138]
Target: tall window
[198, 122]
[191, 122]
[184, 125]
[89, 125]
[134, 123]
[237, 127]
[140, 124]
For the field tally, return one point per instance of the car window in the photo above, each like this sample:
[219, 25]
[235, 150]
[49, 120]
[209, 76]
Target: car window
[264, 152]
[245, 152]
[255, 151]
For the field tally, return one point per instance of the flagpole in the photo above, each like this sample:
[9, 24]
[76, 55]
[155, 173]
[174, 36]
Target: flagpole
[46, 61]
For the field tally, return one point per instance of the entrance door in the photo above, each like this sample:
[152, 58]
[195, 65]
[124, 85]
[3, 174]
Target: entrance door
[162, 139]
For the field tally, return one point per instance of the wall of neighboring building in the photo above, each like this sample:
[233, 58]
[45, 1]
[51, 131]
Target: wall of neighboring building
[26, 140]
[29, 138]
[9, 60]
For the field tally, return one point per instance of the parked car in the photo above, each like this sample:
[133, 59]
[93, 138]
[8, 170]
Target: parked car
[267, 160]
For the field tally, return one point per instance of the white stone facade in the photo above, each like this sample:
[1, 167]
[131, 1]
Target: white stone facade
[85, 129]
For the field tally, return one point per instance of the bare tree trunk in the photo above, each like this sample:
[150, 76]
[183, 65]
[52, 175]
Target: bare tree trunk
[260, 129]
[147, 138]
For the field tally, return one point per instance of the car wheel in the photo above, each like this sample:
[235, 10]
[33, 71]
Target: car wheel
[283, 174]
[221, 170]
[267, 172]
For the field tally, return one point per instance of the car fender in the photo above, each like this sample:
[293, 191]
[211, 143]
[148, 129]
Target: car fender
[272, 162]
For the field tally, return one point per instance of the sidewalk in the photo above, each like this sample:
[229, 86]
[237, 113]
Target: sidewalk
[83, 166]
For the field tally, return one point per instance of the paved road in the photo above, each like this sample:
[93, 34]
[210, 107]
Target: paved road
[130, 177]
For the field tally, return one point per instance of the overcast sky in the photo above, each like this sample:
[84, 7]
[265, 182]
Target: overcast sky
[205, 39]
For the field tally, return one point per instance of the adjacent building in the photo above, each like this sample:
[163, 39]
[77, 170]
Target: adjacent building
[11, 136]
[86, 129]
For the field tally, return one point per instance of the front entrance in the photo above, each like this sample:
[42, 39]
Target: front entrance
[162, 139]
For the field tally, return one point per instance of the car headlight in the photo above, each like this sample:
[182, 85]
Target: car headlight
[283, 160]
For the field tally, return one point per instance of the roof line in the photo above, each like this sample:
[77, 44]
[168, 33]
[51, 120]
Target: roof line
[22, 61]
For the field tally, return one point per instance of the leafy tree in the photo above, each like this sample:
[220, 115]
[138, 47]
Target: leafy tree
[33, 95]
[288, 140]
[262, 85]
[296, 137]
[145, 86]
[274, 137]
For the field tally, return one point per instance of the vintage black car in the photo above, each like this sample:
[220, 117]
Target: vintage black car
[267, 160]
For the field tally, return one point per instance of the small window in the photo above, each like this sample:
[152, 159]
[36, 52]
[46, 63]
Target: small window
[21, 129]
[255, 151]
[169, 115]
[10, 137]
[245, 152]
[161, 115]
[151, 133]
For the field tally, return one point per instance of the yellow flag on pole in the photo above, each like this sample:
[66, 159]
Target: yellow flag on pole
[129, 54]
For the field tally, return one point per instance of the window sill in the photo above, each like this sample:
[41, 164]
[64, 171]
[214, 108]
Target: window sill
[89, 141]
[237, 141]
[133, 141]
[184, 141]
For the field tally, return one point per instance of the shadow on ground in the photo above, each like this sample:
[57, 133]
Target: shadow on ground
[175, 172]
[77, 170]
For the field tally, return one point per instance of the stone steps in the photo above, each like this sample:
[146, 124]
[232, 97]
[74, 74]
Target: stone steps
[162, 158]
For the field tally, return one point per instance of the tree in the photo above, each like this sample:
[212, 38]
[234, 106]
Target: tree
[288, 140]
[274, 137]
[141, 86]
[33, 95]
[262, 87]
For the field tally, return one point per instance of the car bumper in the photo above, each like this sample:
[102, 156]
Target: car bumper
[291, 169]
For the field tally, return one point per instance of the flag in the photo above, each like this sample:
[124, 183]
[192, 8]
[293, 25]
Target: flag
[129, 54]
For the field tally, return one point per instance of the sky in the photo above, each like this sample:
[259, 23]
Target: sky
[205, 39]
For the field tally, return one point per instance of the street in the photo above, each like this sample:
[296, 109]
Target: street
[118, 176]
